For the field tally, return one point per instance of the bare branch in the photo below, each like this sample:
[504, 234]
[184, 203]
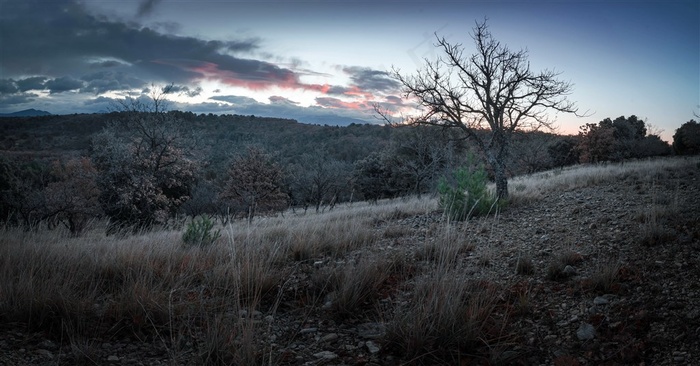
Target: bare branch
[492, 90]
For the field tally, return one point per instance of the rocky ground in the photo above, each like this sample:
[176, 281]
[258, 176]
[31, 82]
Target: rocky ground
[601, 275]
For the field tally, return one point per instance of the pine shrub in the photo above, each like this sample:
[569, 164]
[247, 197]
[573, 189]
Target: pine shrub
[199, 233]
[466, 194]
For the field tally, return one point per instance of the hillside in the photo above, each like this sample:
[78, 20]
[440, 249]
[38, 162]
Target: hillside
[72, 134]
[593, 265]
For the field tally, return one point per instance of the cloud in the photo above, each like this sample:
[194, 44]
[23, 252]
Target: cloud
[236, 100]
[106, 64]
[7, 86]
[104, 81]
[146, 7]
[247, 73]
[275, 99]
[60, 46]
[185, 90]
[66, 39]
[17, 99]
[63, 84]
[281, 107]
[367, 79]
[329, 102]
[31, 83]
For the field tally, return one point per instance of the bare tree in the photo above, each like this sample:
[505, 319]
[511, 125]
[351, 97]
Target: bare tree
[318, 178]
[487, 95]
[145, 163]
[74, 197]
[419, 155]
[255, 183]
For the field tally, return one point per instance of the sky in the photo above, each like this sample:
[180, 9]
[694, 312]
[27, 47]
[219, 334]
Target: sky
[329, 62]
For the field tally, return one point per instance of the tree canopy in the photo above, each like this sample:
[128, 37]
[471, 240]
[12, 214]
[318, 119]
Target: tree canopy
[491, 90]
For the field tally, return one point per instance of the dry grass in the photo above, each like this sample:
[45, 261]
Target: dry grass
[154, 287]
[449, 317]
[148, 285]
[605, 278]
[530, 188]
[524, 265]
[446, 246]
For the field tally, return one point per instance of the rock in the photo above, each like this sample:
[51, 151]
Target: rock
[599, 300]
[326, 355]
[569, 271]
[372, 347]
[308, 330]
[371, 330]
[329, 337]
[113, 358]
[585, 332]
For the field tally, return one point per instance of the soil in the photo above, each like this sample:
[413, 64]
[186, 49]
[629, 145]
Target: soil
[604, 275]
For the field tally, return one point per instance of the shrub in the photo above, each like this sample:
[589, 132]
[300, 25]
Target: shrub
[466, 195]
[199, 233]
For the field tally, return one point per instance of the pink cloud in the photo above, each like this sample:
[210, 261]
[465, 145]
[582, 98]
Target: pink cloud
[263, 77]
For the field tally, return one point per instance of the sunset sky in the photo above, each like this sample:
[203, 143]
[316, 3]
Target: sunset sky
[326, 61]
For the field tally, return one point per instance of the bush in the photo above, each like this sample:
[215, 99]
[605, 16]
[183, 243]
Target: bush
[199, 233]
[466, 195]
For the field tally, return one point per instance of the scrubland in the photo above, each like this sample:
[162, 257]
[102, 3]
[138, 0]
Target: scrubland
[303, 288]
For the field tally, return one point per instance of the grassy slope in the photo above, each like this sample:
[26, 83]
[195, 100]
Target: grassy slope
[152, 286]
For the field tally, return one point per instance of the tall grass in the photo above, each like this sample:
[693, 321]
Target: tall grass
[532, 187]
[199, 303]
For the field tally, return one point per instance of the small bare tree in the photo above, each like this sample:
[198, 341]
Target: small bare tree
[145, 163]
[488, 95]
[74, 197]
[255, 183]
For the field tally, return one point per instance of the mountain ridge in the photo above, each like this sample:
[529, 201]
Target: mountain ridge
[26, 113]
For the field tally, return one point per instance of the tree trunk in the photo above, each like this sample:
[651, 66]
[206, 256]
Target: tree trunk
[499, 172]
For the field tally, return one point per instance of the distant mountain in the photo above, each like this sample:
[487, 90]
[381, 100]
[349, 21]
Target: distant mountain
[26, 113]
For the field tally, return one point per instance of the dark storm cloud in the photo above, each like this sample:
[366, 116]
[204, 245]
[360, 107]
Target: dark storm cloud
[20, 98]
[106, 64]
[185, 90]
[63, 84]
[60, 38]
[32, 83]
[7, 86]
[104, 81]
[146, 7]
[371, 80]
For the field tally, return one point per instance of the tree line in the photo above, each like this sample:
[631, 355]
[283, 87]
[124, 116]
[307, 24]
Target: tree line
[145, 168]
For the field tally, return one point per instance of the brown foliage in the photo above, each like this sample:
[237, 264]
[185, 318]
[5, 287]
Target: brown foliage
[255, 183]
[597, 143]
